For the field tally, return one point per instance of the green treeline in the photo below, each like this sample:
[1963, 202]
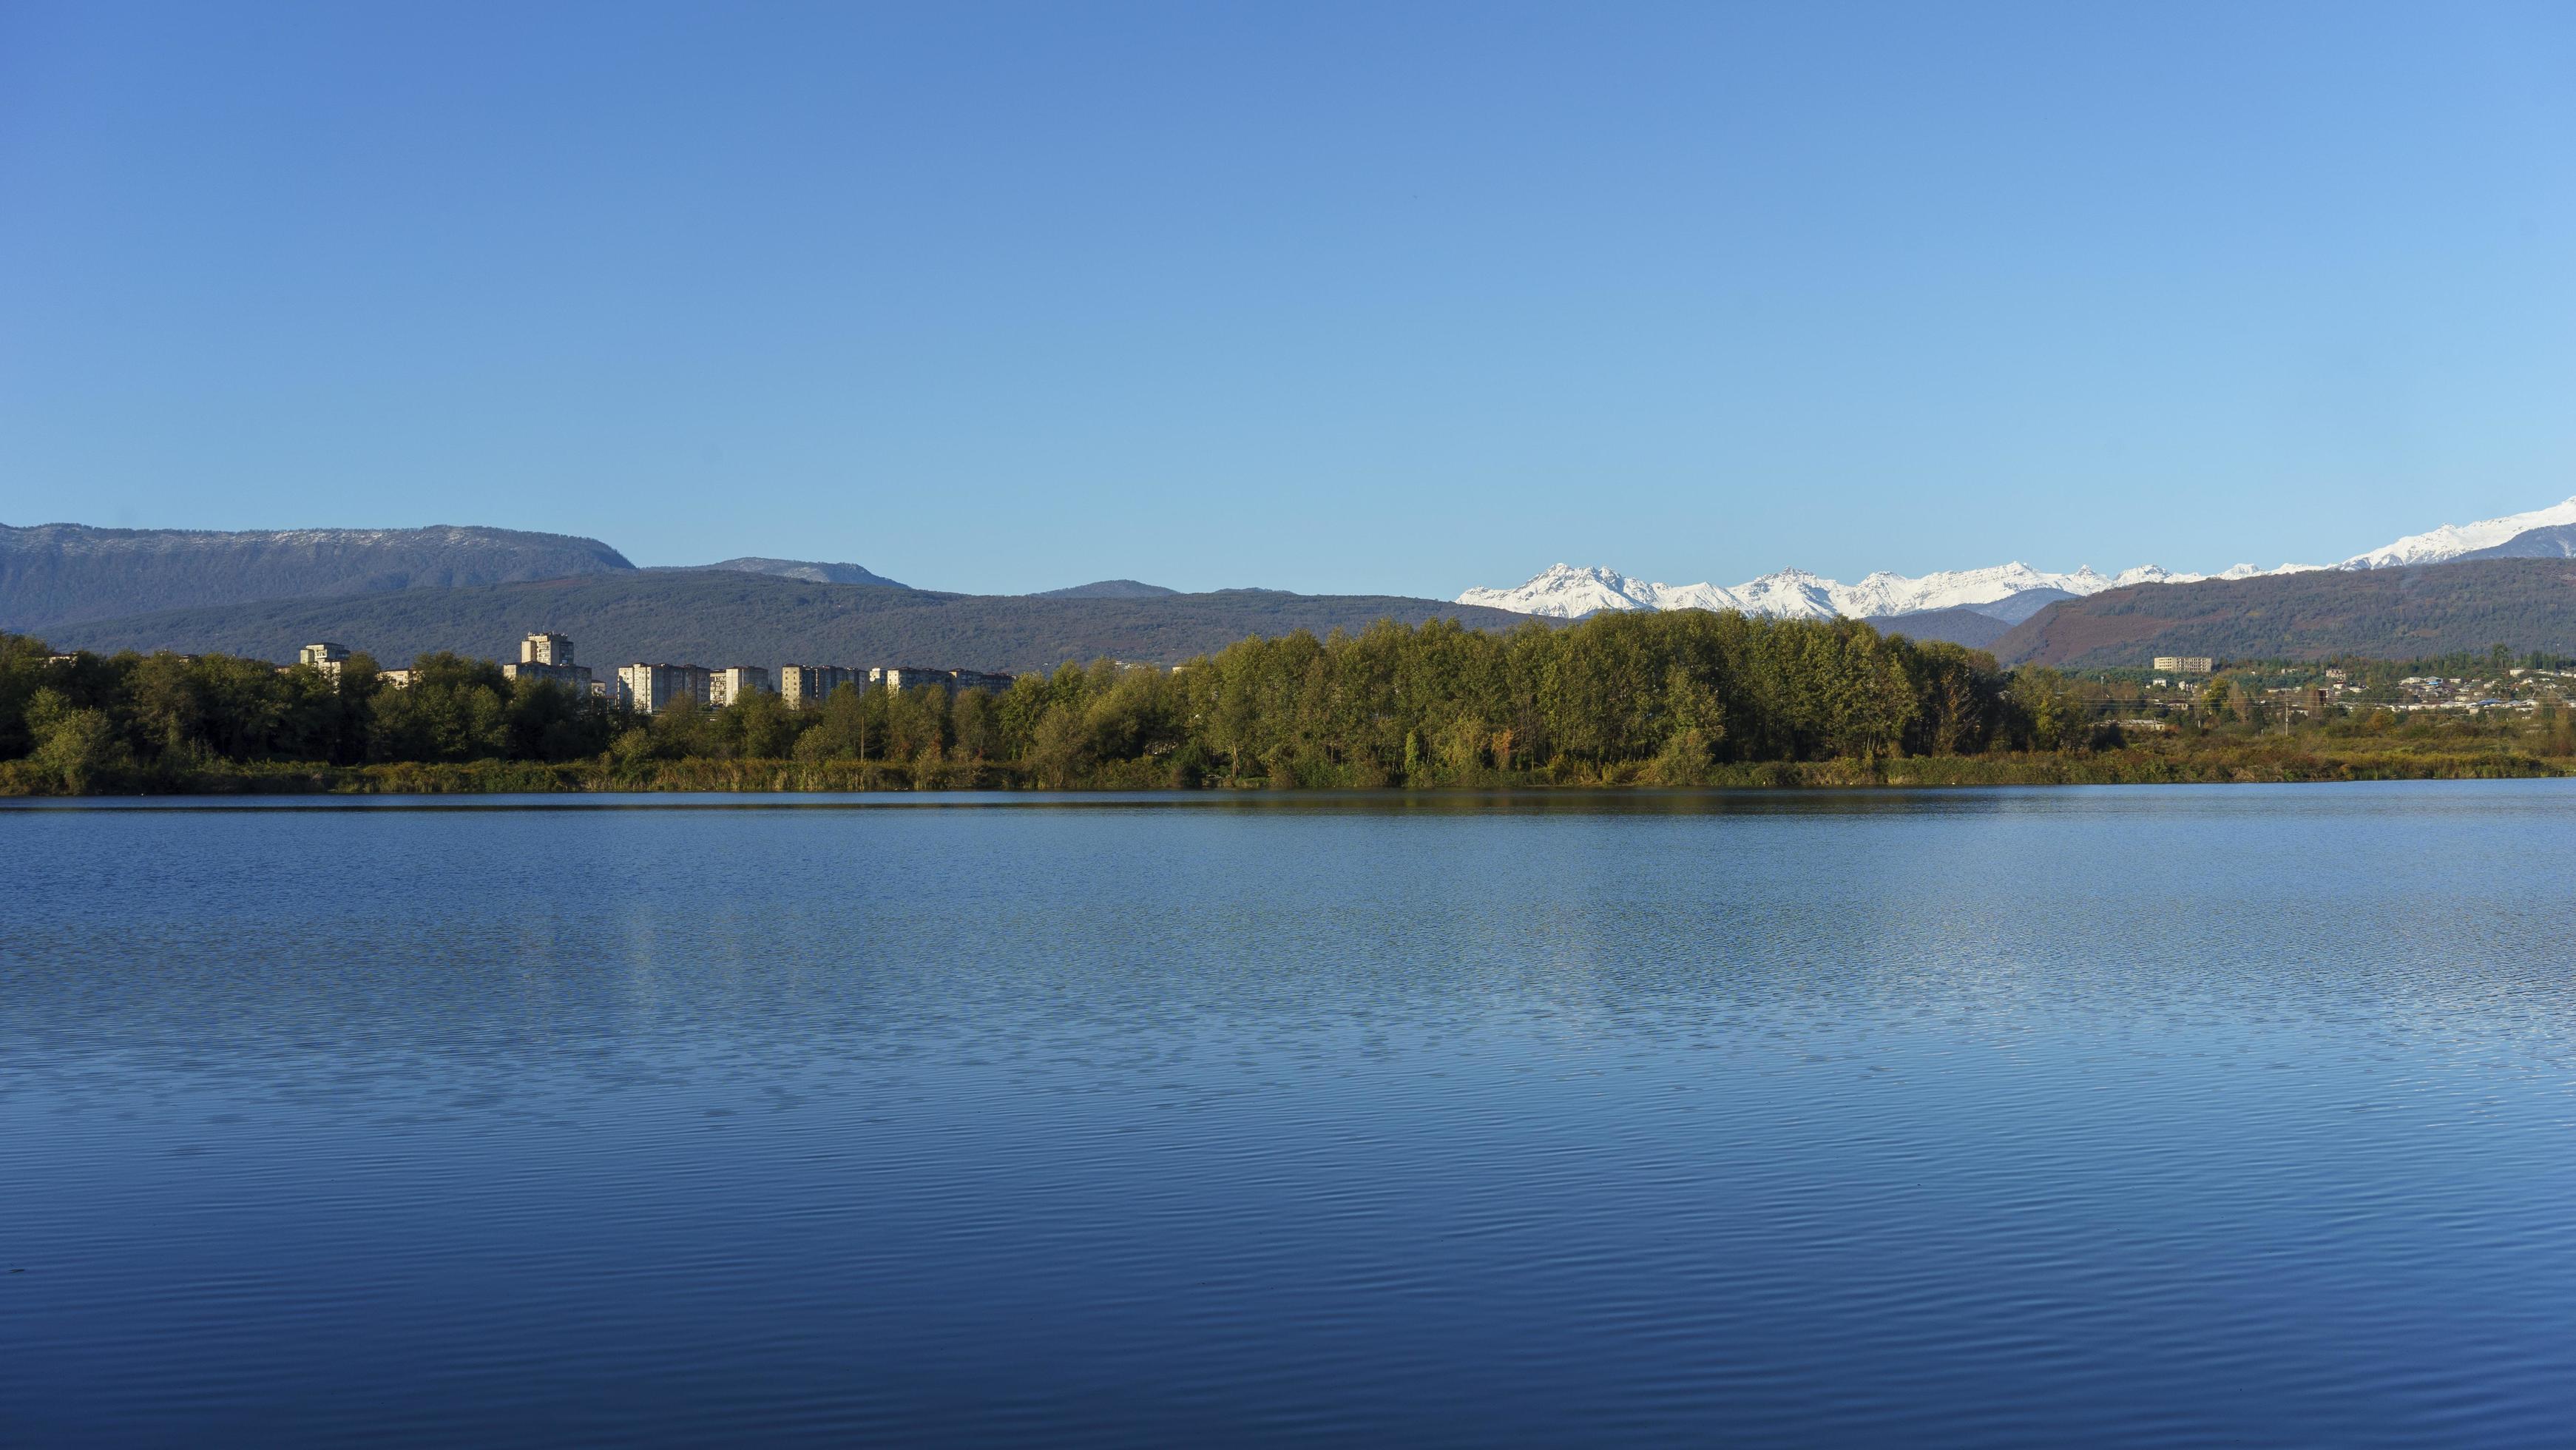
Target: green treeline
[1647, 698]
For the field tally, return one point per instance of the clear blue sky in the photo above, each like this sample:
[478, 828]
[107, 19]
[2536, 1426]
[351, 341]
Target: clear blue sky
[1372, 297]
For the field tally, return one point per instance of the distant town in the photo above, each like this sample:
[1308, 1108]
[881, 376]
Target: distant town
[653, 688]
[2175, 686]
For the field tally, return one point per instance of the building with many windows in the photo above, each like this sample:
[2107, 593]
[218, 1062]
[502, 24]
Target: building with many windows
[549, 657]
[656, 688]
[326, 657]
[806, 686]
[734, 683]
[913, 677]
[2186, 664]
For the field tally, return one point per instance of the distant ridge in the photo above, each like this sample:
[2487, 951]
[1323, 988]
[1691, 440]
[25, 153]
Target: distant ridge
[52, 574]
[1956, 625]
[2555, 541]
[2009, 592]
[1109, 589]
[2487, 538]
[2386, 613]
[807, 570]
[726, 617]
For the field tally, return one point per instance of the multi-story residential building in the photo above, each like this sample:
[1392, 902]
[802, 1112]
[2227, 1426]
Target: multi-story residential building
[2186, 664]
[914, 677]
[326, 657]
[549, 657]
[394, 679]
[656, 688]
[805, 686]
[733, 683]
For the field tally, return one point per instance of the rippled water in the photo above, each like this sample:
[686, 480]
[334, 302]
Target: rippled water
[2160, 1116]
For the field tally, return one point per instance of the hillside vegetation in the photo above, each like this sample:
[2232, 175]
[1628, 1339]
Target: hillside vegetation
[1964, 626]
[54, 575]
[721, 617]
[2522, 604]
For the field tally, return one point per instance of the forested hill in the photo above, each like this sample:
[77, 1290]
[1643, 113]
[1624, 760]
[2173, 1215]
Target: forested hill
[727, 617]
[56, 574]
[2525, 604]
[1949, 626]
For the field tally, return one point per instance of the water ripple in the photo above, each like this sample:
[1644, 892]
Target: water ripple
[2130, 1117]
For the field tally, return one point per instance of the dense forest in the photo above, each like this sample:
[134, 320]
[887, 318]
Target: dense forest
[1658, 699]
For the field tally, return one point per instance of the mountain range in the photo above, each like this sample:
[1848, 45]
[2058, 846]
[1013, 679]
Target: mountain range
[2415, 611]
[55, 574]
[400, 593]
[2548, 533]
[52, 575]
[397, 593]
[811, 571]
[727, 616]
[2008, 593]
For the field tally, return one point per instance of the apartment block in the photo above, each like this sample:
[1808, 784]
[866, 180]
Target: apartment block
[2186, 664]
[736, 682]
[326, 657]
[913, 677]
[656, 688]
[549, 657]
[806, 686]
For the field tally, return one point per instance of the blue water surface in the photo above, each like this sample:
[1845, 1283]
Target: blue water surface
[2115, 1117]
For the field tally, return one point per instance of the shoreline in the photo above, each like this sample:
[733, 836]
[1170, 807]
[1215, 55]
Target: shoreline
[2271, 763]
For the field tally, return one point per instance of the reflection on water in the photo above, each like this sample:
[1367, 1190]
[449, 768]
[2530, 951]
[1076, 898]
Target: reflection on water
[2109, 1116]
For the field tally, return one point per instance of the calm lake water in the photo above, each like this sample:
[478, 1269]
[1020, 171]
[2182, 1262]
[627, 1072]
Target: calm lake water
[2153, 1116]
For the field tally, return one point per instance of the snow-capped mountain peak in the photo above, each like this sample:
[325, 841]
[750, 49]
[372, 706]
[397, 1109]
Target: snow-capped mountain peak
[2450, 541]
[2010, 592]
[1564, 591]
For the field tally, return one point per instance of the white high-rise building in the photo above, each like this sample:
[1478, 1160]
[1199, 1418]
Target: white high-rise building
[735, 683]
[549, 657]
[656, 688]
[546, 649]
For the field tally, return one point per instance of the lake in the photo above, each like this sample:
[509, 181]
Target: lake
[2146, 1116]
